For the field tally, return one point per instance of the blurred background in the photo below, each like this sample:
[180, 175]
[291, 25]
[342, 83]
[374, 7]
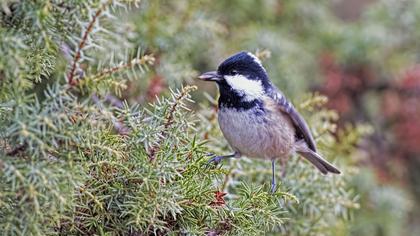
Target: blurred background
[364, 55]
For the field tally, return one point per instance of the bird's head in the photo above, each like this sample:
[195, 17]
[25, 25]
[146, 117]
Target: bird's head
[240, 77]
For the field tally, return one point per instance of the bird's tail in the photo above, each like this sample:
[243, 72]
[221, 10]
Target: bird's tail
[323, 165]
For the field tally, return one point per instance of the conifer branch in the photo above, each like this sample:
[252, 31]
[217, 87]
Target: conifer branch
[169, 119]
[144, 60]
[82, 44]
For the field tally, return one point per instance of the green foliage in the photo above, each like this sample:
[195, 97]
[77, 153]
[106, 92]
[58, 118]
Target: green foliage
[75, 162]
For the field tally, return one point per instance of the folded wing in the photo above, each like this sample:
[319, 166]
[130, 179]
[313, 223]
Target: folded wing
[302, 129]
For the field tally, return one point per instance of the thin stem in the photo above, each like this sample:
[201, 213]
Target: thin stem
[227, 176]
[169, 119]
[146, 59]
[82, 44]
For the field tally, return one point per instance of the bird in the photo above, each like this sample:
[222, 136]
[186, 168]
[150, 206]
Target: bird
[256, 118]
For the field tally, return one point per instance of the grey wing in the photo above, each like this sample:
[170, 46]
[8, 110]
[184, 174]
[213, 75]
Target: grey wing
[302, 129]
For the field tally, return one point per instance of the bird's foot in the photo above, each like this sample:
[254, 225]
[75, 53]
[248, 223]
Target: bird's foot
[273, 187]
[216, 160]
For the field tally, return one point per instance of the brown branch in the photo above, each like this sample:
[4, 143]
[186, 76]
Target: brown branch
[169, 120]
[146, 59]
[82, 44]
[226, 178]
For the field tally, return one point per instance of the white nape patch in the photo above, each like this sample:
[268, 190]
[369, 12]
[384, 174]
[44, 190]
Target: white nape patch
[250, 89]
[256, 59]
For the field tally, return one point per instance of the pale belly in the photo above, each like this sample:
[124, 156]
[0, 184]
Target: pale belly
[266, 136]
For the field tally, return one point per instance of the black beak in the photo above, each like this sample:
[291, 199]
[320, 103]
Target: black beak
[211, 76]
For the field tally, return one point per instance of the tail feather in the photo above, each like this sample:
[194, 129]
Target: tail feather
[323, 165]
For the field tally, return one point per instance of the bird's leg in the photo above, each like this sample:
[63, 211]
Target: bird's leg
[218, 159]
[273, 177]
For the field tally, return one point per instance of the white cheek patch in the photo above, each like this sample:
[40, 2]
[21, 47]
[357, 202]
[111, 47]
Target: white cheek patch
[250, 89]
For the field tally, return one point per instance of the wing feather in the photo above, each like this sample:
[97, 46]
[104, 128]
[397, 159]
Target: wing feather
[301, 127]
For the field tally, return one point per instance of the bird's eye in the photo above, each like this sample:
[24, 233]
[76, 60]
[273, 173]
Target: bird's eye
[233, 72]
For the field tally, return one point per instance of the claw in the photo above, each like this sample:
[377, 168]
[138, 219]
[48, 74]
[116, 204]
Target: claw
[216, 160]
[273, 187]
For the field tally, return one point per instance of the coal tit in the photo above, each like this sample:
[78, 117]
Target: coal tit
[256, 118]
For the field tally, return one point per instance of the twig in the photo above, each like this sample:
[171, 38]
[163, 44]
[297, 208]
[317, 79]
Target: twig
[146, 59]
[82, 44]
[169, 120]
[226, 178]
